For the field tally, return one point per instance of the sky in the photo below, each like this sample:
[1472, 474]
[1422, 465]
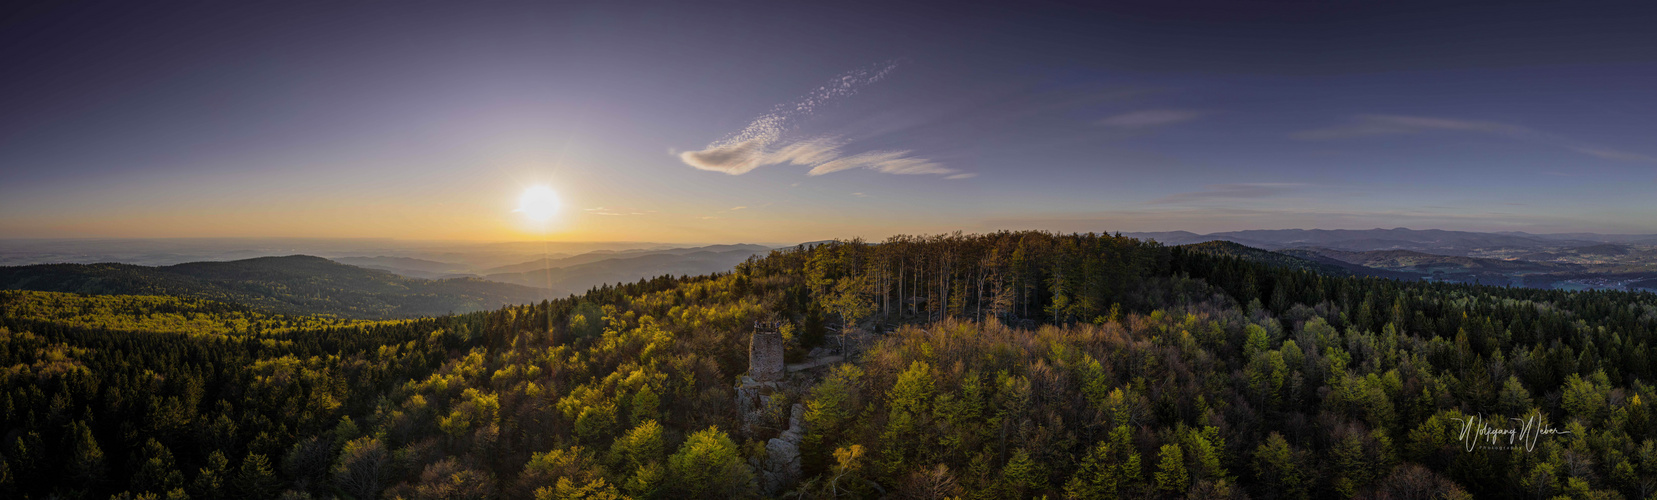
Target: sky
[782, 122]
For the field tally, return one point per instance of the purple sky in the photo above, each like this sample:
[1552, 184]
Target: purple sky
[786, 121]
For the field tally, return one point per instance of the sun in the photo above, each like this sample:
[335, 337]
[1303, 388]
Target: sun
[538, 204]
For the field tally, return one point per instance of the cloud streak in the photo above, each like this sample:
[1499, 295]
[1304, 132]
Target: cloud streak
[1150, 118]
[610, 211]
[886, 162]
[1611, 154]
[762, 142]
[1243, 191]
[1205, 220]
[1384, 125]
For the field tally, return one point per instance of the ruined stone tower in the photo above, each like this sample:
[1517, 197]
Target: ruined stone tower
[781, 468]
[765, 363]
[765, 372]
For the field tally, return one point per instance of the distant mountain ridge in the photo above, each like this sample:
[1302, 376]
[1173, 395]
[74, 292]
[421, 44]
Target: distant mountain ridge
[1426, 262]
[1413, 265]
[1632, 239]
[406, 266]
[601, 255]
[1360, 240]
[1233, 249]
[581, 277]
[297, 284]
[1310, 261]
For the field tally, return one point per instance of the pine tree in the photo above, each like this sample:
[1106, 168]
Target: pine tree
[1022, 477]
[210, 480]
[86, 459]
[1170, 472]
[157, 472]
[256, 479]
[1279, 469]
[1204, 448]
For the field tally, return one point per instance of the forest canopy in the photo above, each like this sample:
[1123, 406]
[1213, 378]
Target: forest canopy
[1004, 365]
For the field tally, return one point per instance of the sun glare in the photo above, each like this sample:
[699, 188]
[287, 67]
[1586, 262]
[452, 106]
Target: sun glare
[538, 204]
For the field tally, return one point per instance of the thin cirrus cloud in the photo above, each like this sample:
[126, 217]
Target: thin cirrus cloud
[887, 162]
[1612, 154]
[1209, 219]
[1150, 118]
[1241, 191]
[610, 211]
[762, 142]
[1381, 125]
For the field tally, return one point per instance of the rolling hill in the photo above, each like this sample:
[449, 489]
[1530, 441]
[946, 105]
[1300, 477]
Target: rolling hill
[581, 277]
[296, 284]
[1428, 240]
[1232, 249]
[602, 255]
[1304, 261]
[407, 266]
[1409, 260]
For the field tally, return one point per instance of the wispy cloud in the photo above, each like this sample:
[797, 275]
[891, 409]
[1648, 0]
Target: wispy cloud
[763, 141]
[1150, 118]
[888, 162]
[1243, 191]
[1381, 125]
[610, 211]
[1210, 219]
[1374, 125]
[1611, 154]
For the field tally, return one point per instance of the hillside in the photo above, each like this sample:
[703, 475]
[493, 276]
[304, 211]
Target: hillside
[1407, 260]
[154, 314]
[1012, 365]
[406, 266]
[1462, 243]
[1230, 249]
[582, 276]
[590, 257]
[288, 285]
[1308, 261]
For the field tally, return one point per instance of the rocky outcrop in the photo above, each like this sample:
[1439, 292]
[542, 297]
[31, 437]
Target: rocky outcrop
[781, 469]
[752, 399]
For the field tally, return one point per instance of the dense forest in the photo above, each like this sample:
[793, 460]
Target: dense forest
[1006, 365]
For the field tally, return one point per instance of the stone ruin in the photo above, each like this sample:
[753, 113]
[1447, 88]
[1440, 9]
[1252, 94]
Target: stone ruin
[766, 371]
[765, 362]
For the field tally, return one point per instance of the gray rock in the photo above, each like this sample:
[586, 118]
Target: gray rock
[781, 469]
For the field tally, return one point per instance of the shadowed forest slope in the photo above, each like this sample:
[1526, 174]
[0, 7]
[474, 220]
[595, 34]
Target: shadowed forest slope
[296, 284]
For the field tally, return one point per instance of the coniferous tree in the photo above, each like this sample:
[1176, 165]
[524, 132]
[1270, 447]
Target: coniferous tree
[1171, 475]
